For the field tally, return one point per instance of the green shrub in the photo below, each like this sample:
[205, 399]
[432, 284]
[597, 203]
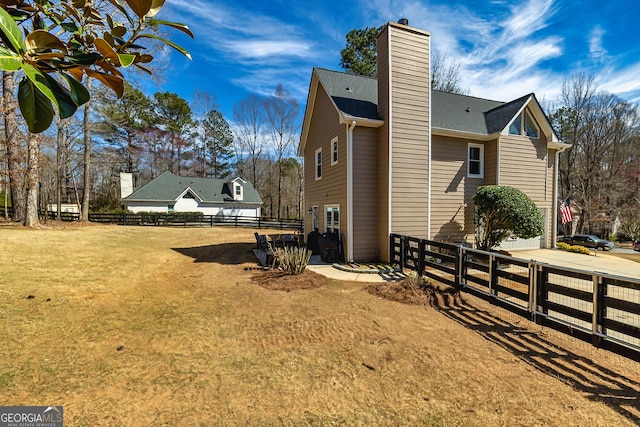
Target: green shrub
[502, 212]
[293, 260]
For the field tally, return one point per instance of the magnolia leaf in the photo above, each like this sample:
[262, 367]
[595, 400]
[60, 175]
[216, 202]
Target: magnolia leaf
[36, 108]
[77, 73]
[109, 68]
[38, 78]
[146, 70]
[85, 59]
[66, 106]
[109, 38]
[79, 4]
[70, 27]
[180, 49]
[122, 9]
[106, 50]
[42, 40]
[9, 61]
[144, 58]
[79, 94]
[176, 25]
[115, 83]
[140, 7]
[156, 5]
[119, 31]
[11, 32]
[126, 59]
[49, 56]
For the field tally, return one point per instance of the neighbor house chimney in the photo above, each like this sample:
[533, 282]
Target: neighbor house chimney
[404, 93]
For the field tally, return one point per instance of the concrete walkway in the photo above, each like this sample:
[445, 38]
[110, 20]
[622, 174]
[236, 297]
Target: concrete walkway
[328, 270]
[601, 262]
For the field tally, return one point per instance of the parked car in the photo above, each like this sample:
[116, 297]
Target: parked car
[588, 241]
[636, 245]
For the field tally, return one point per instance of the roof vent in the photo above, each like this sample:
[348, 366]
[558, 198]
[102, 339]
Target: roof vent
[468, 110]
[348, 89]
[403, 21]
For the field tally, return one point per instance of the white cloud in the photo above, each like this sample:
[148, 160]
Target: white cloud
[596, 48]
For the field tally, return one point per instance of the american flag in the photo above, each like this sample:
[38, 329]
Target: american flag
[565, 211]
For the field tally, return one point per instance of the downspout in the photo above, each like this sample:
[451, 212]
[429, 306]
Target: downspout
[350, 190]
[554, 216]
[429, 148]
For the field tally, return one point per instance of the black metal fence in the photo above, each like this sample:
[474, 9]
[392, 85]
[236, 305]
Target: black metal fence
[177, 219]
[598, 307]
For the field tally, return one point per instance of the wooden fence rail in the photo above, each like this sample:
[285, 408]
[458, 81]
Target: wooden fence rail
[177, 220]
[597, 307]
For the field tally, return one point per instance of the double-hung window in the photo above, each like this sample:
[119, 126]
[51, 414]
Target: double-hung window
[334, 151]
[475, 160]
[318, 163]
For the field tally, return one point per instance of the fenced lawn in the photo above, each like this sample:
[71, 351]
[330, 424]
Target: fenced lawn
[162, 326]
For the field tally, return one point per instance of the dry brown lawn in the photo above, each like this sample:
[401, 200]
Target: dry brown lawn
[133, 326]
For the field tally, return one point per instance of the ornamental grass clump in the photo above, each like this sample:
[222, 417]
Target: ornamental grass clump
[293, 260]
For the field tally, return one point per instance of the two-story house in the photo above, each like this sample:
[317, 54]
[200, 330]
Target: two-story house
[390, 155]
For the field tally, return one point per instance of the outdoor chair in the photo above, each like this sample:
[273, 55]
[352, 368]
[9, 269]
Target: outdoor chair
[261, 241]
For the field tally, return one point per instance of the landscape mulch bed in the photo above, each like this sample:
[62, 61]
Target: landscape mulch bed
[427, 294]
[280, 281]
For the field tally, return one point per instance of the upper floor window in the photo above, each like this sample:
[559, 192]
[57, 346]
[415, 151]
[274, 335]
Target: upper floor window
[237, 191]
[334, 151]
[318, 163]
[475, 161]
[524, 125]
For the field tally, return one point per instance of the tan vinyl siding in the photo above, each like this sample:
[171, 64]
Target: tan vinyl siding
[365, 200]
[383, 145]
[332, 188]
[523, 164]
[527, 164]
[409, 77]
[451, 189]
[491, 162]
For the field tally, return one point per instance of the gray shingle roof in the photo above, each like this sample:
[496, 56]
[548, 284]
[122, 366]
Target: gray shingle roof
[168, 187]
[355, 96]
[358, 96]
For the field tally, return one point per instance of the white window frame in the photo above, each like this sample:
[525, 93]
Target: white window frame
[318, 164]
[334, 151]
[334, 228]
[237, 195]
[525, 117]
[314, 217]
[471, 145]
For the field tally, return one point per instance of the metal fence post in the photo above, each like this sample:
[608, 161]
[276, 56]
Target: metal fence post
[457, 279]
[598, 310]
[533, 288]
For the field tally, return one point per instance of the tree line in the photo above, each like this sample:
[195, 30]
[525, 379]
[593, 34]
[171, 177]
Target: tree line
[147, 135]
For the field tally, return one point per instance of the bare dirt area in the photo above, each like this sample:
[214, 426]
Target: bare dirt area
[162, 326]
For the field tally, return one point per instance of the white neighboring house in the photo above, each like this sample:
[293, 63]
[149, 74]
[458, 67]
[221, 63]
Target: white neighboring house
[174, 193]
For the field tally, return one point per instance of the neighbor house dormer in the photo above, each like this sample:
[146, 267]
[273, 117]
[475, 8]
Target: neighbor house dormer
[238, 189]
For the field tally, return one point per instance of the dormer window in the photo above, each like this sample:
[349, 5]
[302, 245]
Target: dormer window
[524, 125]
[237, 191]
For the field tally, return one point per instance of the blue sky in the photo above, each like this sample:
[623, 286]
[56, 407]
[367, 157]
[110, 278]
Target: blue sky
[506, 48]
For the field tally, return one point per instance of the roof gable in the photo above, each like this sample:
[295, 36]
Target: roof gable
[355, 98]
